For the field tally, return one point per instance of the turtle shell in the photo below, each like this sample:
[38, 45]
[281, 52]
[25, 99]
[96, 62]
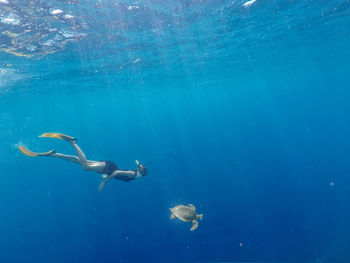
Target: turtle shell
[185, 213]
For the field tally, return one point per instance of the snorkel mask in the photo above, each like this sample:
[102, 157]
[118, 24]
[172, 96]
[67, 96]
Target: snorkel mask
[142, 170]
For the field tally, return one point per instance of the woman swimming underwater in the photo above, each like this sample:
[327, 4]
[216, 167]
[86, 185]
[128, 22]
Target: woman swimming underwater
[108, 169]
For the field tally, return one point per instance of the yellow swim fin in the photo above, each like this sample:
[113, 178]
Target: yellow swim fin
[25, 151]
[59, 136]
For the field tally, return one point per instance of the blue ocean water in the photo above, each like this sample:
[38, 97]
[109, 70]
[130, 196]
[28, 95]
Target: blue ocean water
[240, 108]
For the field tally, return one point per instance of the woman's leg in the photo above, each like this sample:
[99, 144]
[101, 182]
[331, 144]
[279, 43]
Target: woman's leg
[70, 158]
[86, 164]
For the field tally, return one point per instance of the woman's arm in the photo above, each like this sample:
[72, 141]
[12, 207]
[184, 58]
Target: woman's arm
[102, 185]
[129, 173]
[126, 175]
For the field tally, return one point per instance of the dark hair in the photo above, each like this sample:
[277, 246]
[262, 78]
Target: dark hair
[143, 170]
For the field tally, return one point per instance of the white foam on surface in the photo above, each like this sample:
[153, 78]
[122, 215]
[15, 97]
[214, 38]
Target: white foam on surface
[56, 12]
[10, 19]
[131, 7]
[68, 16]
[249, 3]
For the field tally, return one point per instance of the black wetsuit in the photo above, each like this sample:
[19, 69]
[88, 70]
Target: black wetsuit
[111, 167]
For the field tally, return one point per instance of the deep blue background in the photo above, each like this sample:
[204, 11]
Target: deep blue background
[243, 112]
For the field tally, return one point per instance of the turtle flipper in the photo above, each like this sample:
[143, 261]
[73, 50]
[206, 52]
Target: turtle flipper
[172, 216]
[195, 225]
[27, 152]
[59, 136]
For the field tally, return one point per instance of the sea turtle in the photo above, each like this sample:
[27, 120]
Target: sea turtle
[186, 214]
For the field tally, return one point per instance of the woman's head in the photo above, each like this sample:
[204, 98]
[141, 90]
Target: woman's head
[142, 170]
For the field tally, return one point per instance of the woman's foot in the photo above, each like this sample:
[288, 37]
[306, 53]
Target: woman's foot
[59, 136]
[27, 152]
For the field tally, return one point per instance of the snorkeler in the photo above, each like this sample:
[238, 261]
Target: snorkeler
[108, 169]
